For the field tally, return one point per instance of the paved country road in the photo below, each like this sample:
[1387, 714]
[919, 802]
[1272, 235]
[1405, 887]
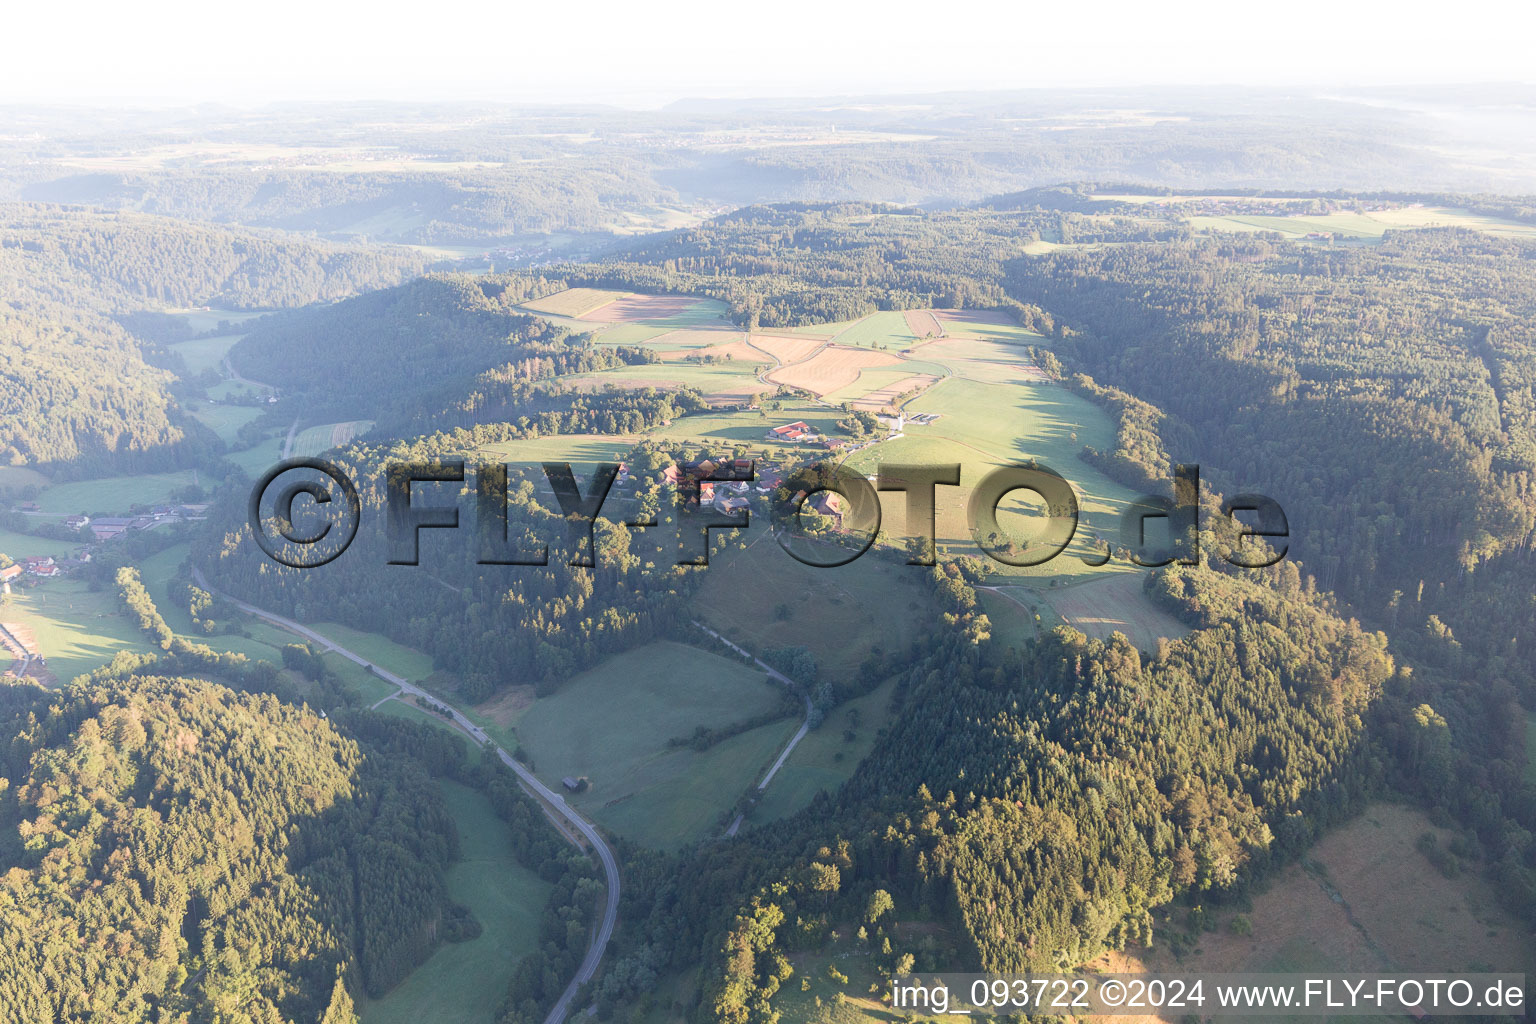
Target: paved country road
[554, 800]
[794, 740]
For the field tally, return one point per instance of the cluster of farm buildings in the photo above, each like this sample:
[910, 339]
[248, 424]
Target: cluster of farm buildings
[103, 529]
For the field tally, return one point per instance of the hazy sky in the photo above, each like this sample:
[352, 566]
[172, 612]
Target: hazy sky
[647, 53]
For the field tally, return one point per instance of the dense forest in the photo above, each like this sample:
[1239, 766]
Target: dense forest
[217, 854]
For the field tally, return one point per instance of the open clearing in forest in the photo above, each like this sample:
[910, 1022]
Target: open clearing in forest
[115, 495]
[582, 451]
[1364, 226]
[465, 982]
[832, 368]
[317, 439]
[888, 329]
[1116, 604]
[1363, 899]
[962, 319]
[225, 420]
[611, 724]
[672, 310]
[724, 383]
[202, 354]
[75, 628]
[15, 479]
[403, 661]
[574, 302]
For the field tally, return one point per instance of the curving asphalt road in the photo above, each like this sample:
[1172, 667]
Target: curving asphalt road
[554, 800]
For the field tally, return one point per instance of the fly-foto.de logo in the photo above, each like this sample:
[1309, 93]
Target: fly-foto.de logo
[304, 513]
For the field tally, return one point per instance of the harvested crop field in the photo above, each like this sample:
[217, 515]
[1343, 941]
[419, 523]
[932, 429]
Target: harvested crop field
[1115, 605]
[786, 349]
[831, 368]
[635, 308]
[574, 302]
[923, 323]
[965, 317]
[877, 400]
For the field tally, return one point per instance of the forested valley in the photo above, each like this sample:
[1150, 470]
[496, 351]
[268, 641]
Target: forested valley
[82, 326]
[233, 854]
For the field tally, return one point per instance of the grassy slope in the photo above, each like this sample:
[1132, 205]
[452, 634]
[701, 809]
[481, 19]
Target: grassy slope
[986, 425]
[205, 353]
[464, 983]
[841, 614]
[826, 758]
[225, 420]
[77, 629]
[397, 658]
[114, 495]
[18, 545]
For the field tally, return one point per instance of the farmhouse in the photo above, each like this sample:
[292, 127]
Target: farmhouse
[796, 431]
[829, 504]
[9, 573]
[107, 527]
[730, 505]
[76, 522]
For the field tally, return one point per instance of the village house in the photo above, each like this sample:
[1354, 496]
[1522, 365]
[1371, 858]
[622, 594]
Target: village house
[730, 505]
[829, 504]
[76, 522]
[9, 573]
[41, 566]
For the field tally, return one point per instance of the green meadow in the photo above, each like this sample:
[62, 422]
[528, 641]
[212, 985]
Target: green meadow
[761, 597]
[984, 425]
[18, 545]
[611, 725]
[225, 420]
[465, 982]
[77, 629]
[403, 661]
[205, 353]
[887, 329]
[114, 495]
[827, 756]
